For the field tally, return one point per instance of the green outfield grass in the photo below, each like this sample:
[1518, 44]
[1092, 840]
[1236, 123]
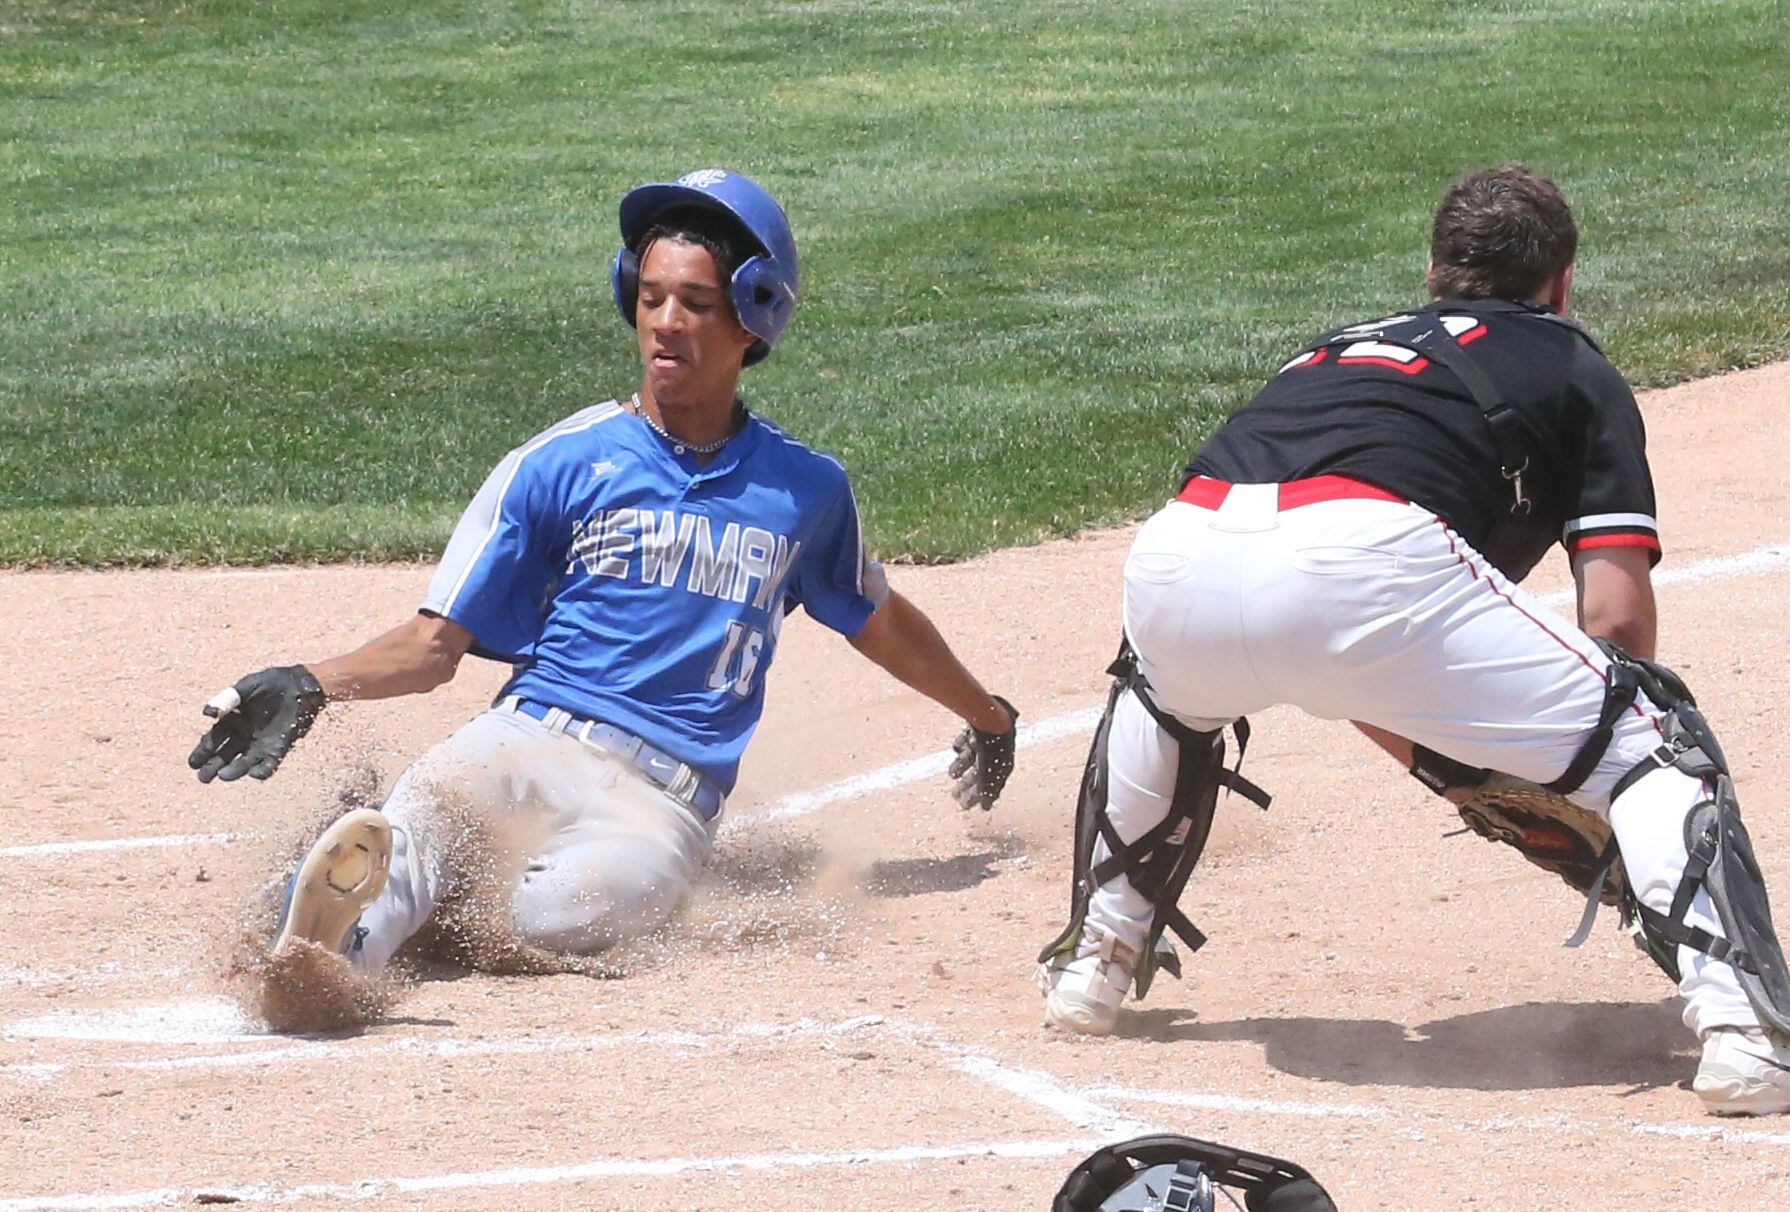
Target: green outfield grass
[282, 281]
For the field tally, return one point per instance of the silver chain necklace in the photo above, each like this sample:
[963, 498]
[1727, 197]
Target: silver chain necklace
[678, 444]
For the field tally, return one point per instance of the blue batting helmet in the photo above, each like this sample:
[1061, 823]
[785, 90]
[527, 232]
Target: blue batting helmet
[764, 285]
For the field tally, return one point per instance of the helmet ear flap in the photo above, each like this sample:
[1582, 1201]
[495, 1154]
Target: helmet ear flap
[624, 276]
[763, 300]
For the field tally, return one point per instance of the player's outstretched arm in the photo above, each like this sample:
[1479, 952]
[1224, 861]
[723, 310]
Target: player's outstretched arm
[263, 715]
[414, 657]
[901, 639]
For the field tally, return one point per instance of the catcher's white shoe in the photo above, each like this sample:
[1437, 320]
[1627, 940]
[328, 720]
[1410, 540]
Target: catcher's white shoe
[341, 874]
[1083, 994]
[1743, 1073]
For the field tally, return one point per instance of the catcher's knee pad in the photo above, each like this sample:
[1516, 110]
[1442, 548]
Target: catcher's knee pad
[1721, 860]
[1159, 862]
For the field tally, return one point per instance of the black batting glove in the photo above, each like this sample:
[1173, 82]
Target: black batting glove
[984, 762]
[258, 721]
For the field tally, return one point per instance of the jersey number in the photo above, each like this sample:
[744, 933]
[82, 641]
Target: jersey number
[738, 663]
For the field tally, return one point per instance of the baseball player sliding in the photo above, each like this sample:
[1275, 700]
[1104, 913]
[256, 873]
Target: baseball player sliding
[1349, 543]
[634, 564]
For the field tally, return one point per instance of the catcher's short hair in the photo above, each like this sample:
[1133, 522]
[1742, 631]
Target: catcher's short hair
[1501, 233]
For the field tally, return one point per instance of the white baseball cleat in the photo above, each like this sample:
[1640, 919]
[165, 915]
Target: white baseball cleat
[1743, 1073]
[341, 874]
[1083, 994]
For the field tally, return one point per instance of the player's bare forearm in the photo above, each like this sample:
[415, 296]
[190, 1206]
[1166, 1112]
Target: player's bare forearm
[901, 639]
[412, 658]
[1615, 595]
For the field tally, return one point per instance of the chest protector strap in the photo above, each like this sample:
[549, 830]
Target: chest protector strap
[1512, 437]
[1159, 862]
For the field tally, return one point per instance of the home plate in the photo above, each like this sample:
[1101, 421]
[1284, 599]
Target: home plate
[203, 1021]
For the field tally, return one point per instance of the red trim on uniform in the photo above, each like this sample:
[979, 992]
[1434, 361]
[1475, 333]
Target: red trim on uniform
[1204, 492]
[1636, 539]
[1322, 353]
[1295, 493]
[1416, 366]
[1208, 493]
[1471, 335]
[1461, 555]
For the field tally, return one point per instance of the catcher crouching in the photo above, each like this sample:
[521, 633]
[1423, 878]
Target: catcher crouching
[1350, 543]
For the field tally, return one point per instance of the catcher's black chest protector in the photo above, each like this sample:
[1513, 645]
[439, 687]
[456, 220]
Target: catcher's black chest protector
[1528, 523]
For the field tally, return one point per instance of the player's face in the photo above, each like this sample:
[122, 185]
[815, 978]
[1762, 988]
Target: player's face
[690, 344]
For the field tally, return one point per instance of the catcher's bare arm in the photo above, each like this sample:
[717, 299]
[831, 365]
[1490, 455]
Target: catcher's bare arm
[263, 715]
[1615, 594]
[901, 639]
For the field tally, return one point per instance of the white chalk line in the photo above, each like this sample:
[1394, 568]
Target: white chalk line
[216, 1022]
[1079, 722]
[1079, 1106]
[111, 970]
[196, 1021]
[302, 1052]
[1229, 1102]
[100, 845]
[1418, 1119]
[900, 774]
[1771, 558]
[540, 1175]
[1037, 1088]
[1743, 1136]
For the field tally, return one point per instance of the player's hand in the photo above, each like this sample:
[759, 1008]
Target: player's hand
[984, 762]
[258, 721]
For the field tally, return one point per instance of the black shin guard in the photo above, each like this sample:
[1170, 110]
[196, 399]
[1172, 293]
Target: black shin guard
[1159, 862]
[1721, 859]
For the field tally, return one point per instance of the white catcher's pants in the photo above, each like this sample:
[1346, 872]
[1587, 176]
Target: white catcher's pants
[613, 855]
[1376, 611]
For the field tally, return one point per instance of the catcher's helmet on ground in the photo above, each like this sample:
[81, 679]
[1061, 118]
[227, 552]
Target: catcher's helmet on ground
[764, 285]
[1164, 1173]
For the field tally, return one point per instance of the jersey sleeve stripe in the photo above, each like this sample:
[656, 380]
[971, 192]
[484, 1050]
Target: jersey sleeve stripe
[1612, 521]
[873, 581]
[1613, 539]
[576, 423]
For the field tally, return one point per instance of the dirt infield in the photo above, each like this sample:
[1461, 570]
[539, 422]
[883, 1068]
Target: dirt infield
[846, 1018]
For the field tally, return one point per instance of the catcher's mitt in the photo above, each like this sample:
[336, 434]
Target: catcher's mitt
[1547, 829]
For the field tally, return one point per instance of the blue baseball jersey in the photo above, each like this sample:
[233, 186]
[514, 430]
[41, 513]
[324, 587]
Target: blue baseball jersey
[629, 584]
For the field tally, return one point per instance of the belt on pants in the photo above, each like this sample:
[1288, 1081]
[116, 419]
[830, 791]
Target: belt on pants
[678, 779]
[1210, 494]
